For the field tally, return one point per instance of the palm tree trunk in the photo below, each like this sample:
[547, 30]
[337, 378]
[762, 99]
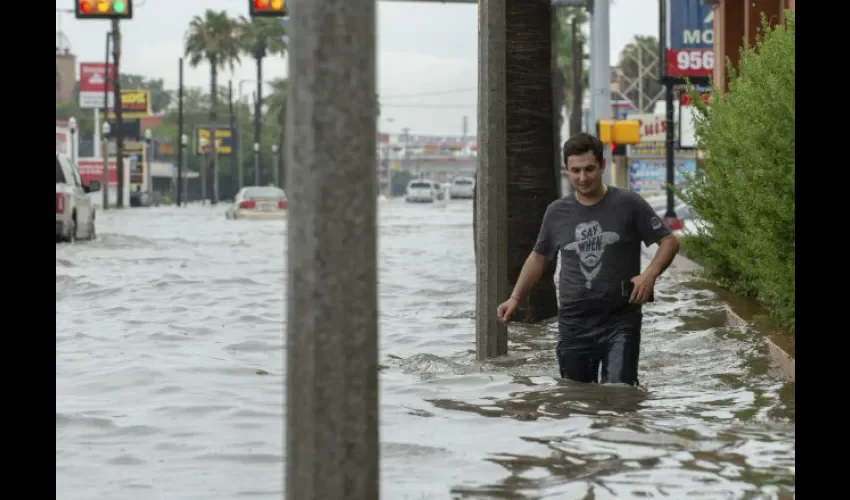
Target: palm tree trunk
[119, 118]
[214, 119]
[530, 141]
[576, 70]
[259, 54]
[258, 122]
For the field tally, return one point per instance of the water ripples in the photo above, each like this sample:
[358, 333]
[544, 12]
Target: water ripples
[170, 377]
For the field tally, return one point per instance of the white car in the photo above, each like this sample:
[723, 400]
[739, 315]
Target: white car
[75, 213]
[422, 191]
[462, 187]
[258, 202]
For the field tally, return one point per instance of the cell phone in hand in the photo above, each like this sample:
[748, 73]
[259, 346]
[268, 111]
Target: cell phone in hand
[627, 287]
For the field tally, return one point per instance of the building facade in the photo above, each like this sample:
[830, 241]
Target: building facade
[737, 22]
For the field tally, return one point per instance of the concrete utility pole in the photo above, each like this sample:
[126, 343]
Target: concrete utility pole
[491, 337]
[600, 71]
[332, 330]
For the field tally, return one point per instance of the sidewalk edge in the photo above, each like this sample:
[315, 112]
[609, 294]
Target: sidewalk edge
[783, 362]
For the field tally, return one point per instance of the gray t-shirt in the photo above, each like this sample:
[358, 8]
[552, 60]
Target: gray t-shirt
[599, 248]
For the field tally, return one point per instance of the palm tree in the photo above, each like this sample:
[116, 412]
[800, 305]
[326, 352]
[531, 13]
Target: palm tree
[530, 147]
[213, 39]
[572, 59]
[259, 37]
[276, 103]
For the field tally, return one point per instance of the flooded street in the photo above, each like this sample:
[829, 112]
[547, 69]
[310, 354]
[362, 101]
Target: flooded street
[170, 377]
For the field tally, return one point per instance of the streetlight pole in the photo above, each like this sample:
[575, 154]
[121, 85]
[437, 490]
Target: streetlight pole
[239, 135]
[181, 182]
[146, 173]
[216, 144]
[105, 153]
[275, 166]
[256, 164]
[203, 170]
[72, 128]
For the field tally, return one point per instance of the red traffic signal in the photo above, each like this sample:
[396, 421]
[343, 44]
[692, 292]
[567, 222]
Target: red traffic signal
[268, 8]
[103, 9]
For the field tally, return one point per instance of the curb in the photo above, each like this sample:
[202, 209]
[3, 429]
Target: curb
[783, 362]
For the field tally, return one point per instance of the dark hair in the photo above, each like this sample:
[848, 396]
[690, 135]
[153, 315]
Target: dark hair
[580, 144]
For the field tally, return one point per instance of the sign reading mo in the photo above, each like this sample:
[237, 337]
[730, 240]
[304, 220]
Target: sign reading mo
[698, 37]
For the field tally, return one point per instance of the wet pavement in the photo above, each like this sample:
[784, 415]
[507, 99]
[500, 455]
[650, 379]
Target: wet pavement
[170, 377]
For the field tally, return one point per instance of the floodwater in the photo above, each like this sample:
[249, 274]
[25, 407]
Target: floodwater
[170, 377]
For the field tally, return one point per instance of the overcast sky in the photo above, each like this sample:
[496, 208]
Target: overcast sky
[427, 53]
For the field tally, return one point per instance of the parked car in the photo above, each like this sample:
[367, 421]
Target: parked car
[258, 202]
[421, 191]
[141, 198]
[462, 187]
[75, 213]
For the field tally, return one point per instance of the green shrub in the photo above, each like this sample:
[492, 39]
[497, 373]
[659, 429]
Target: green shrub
[745, 193]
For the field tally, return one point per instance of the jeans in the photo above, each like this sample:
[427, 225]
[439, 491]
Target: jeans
[616, 348]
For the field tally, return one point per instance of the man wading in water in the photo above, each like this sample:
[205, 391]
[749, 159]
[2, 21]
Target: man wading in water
[597, 230]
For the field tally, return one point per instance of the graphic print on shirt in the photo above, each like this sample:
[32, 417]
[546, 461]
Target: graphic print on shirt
[590, 245]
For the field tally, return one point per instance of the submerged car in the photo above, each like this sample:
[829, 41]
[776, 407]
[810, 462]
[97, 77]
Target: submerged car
[421, 191]
[462, 188]
[258, 202]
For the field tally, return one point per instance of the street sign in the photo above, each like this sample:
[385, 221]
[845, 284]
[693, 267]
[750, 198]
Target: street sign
[94, 77]
[688, 34]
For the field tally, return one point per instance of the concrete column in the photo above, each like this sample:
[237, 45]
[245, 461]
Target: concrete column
[491, 192]
[332, 329]
[600, 68]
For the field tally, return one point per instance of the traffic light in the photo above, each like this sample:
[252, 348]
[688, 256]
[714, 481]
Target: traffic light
[620, 132]
[104, 9]
[268, 8]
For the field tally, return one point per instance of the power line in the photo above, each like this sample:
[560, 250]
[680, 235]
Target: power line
[431, 106]
[436, 92]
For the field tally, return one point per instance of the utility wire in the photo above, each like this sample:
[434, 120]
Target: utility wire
[425, 94]
[431, 106]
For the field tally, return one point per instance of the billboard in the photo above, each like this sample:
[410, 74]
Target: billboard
[94, 79]
[688, 33]
[222, 133]
[135, 103]
[92, 169]
[653, 128]
[650, 176]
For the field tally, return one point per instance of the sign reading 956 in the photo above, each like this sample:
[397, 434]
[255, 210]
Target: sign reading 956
[690, 62]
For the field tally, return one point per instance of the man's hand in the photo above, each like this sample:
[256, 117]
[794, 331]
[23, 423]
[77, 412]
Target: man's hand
[644, 284]
[506, 309]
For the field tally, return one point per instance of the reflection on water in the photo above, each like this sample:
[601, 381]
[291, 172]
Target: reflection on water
[170, 377]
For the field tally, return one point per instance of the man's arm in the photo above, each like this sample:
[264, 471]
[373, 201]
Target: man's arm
[531, 272]
[668, 247]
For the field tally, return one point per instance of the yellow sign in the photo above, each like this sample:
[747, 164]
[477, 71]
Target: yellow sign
[135, 104]
[224, 135]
